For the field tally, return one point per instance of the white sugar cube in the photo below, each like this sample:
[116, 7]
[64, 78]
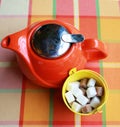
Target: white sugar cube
[73, 85]
[76, 92]
[91, 82]
[82, 99]
[91, 92]
[76, 107]
[95, 102]
[69, 96]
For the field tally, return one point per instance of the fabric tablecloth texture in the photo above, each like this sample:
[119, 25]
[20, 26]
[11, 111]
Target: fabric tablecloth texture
[23, 103]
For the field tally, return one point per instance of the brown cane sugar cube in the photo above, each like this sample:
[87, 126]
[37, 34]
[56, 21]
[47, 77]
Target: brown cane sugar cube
[86, 109]
[99, 91]
[83, 83]
[69, 97]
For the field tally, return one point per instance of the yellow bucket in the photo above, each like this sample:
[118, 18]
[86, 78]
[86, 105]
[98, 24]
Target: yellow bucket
[75, 75]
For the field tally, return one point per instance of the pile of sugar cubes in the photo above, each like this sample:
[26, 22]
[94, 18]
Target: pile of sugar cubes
[84, 95]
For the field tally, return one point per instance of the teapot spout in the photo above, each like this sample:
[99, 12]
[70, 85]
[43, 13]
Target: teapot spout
[5, 42]
[16, 42]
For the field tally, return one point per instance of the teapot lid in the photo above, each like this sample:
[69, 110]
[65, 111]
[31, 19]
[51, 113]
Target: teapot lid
[46, 41]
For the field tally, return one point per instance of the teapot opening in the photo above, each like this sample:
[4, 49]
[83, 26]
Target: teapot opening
[6, 42]
[47, 41]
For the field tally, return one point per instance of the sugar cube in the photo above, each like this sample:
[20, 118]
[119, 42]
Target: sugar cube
[91, 92]
[82, 99]
[91, 82]
[76, 107]
[76, 92]
[73, 85]
[84, 95]
[86, 109]
[95, 102]
[83, 83]
[69, 97]
[99, 90]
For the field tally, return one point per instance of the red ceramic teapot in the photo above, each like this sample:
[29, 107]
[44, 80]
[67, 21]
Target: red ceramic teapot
[47, 50]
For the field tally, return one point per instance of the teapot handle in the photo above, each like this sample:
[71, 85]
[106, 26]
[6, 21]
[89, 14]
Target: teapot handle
[94, 49]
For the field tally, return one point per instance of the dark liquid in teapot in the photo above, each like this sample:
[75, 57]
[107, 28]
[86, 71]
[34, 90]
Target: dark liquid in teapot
[47, 42]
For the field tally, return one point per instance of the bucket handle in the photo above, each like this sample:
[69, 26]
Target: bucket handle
[72, 71]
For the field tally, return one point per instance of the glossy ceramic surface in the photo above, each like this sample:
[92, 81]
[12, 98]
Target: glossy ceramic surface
[51, 72]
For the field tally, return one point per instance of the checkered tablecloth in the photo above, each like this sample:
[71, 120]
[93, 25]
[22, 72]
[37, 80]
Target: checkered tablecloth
[23, 103]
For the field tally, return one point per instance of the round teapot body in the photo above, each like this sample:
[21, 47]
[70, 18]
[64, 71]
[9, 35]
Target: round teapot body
[52, 72]
[55, 71]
